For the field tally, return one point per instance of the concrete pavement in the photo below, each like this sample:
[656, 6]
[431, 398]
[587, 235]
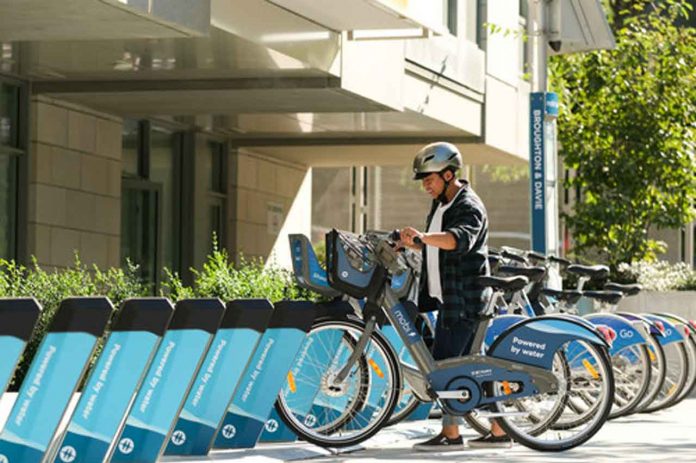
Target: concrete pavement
[668, 436]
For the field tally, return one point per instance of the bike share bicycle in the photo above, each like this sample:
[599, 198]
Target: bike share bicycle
[652, 355]
[669, 345]
[310, 275]
[522, 362]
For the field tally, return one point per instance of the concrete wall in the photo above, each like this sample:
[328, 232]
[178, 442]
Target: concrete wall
[273, 198]
[506, 196]
[673, 240]
[74, 185]
[682, 303]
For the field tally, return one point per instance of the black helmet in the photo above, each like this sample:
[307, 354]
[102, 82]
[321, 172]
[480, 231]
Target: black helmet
[436, 157]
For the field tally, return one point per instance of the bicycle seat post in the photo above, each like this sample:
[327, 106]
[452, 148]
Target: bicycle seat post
[581, 282]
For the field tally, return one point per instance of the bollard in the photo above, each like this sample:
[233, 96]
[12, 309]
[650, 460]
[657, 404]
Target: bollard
[55, 373]
[168, 381]
[265, 374]
[118, 374]
[234, 343]
[17, 320]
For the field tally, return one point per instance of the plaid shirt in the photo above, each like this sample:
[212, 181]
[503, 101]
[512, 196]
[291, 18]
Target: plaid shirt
[467, 220]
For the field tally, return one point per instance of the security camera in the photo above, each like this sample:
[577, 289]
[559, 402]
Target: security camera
[555, 45]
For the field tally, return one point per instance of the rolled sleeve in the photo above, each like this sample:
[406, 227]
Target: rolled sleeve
[466, 226]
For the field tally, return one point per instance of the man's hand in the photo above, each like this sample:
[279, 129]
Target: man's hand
[408, 234]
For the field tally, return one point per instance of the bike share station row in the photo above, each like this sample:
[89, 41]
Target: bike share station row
[170, 380]
[187, 379]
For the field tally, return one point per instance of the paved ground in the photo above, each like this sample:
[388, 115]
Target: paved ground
[668, 436]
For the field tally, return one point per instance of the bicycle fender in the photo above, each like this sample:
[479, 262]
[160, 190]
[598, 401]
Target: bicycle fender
[632, 317]
[671, 333]
[534, 341]
[498, 325]
[626, 334]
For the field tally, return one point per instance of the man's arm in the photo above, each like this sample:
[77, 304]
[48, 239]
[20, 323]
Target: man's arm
[460, 234]
[442, 240]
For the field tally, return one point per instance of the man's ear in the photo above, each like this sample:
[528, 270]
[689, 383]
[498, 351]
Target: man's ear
[451, 175]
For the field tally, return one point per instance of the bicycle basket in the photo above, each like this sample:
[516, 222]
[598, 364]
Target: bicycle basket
[351, 267]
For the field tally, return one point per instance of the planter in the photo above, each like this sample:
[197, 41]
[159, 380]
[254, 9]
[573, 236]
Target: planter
[682, 303]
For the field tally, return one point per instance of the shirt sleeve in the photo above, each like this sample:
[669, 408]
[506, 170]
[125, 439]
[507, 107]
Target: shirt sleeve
[465, 224]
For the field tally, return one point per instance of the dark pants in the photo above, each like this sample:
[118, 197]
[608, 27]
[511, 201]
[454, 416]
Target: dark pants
[453, 338]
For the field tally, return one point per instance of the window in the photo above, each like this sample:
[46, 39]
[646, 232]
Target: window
[162, 163]
[10, 154]
[481, 19]
[140, 227]
[8, 206]
[524, 48]
[451, 13]
[150, 204]
[216, 167]
[359, 190]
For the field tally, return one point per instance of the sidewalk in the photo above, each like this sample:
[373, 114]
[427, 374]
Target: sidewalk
[662, 436]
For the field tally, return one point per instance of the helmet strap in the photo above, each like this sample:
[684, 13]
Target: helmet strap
[442, 198]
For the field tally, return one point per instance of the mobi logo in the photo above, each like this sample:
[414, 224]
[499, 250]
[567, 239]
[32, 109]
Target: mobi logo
[404, 322]
[625, 334]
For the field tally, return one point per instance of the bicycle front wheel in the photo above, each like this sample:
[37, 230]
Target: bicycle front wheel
[335, 414]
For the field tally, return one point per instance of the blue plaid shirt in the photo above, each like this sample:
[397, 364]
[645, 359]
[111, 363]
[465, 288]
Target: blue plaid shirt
[466, 219]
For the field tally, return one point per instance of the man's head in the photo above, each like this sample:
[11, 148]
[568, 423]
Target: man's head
[436, 166]
[436, 184]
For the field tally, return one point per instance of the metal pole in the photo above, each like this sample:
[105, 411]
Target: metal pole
[537, 35]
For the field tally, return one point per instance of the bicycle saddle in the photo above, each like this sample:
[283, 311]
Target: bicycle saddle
[627, 290]
[514, 257]
[592, 271]
[570, 296]
[536, 256]
[534, 274]
[560, 260]
[505, 284]
[608, 297]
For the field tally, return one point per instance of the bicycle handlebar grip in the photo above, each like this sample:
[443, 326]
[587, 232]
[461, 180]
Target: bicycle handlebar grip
[417, 240]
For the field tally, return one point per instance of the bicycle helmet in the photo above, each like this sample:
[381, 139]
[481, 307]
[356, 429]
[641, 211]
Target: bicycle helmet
[436, 157]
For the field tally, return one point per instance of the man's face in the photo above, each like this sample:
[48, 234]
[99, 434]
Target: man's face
[433, 184]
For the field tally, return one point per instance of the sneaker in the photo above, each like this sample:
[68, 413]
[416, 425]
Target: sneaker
[489, 441]
[440, 443]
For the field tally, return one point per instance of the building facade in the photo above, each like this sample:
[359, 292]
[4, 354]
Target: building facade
[140, 130]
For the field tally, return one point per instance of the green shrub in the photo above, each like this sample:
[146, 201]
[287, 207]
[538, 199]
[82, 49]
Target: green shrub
[219, 277]
[660, 275]
[51, 287]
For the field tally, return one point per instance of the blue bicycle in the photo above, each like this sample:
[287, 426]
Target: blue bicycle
[351, 382]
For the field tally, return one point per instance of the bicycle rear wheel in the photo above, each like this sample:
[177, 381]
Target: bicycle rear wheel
[541, 411]
[676, 376]
[658, 371]
[632, 373]
[691, 382]
[582, 357]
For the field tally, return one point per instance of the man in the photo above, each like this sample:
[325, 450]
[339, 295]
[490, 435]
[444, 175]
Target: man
[455, 248]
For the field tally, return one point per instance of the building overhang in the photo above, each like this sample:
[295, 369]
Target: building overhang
[31, 20]
[383, 152]
[578, 26]
[358, 16]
